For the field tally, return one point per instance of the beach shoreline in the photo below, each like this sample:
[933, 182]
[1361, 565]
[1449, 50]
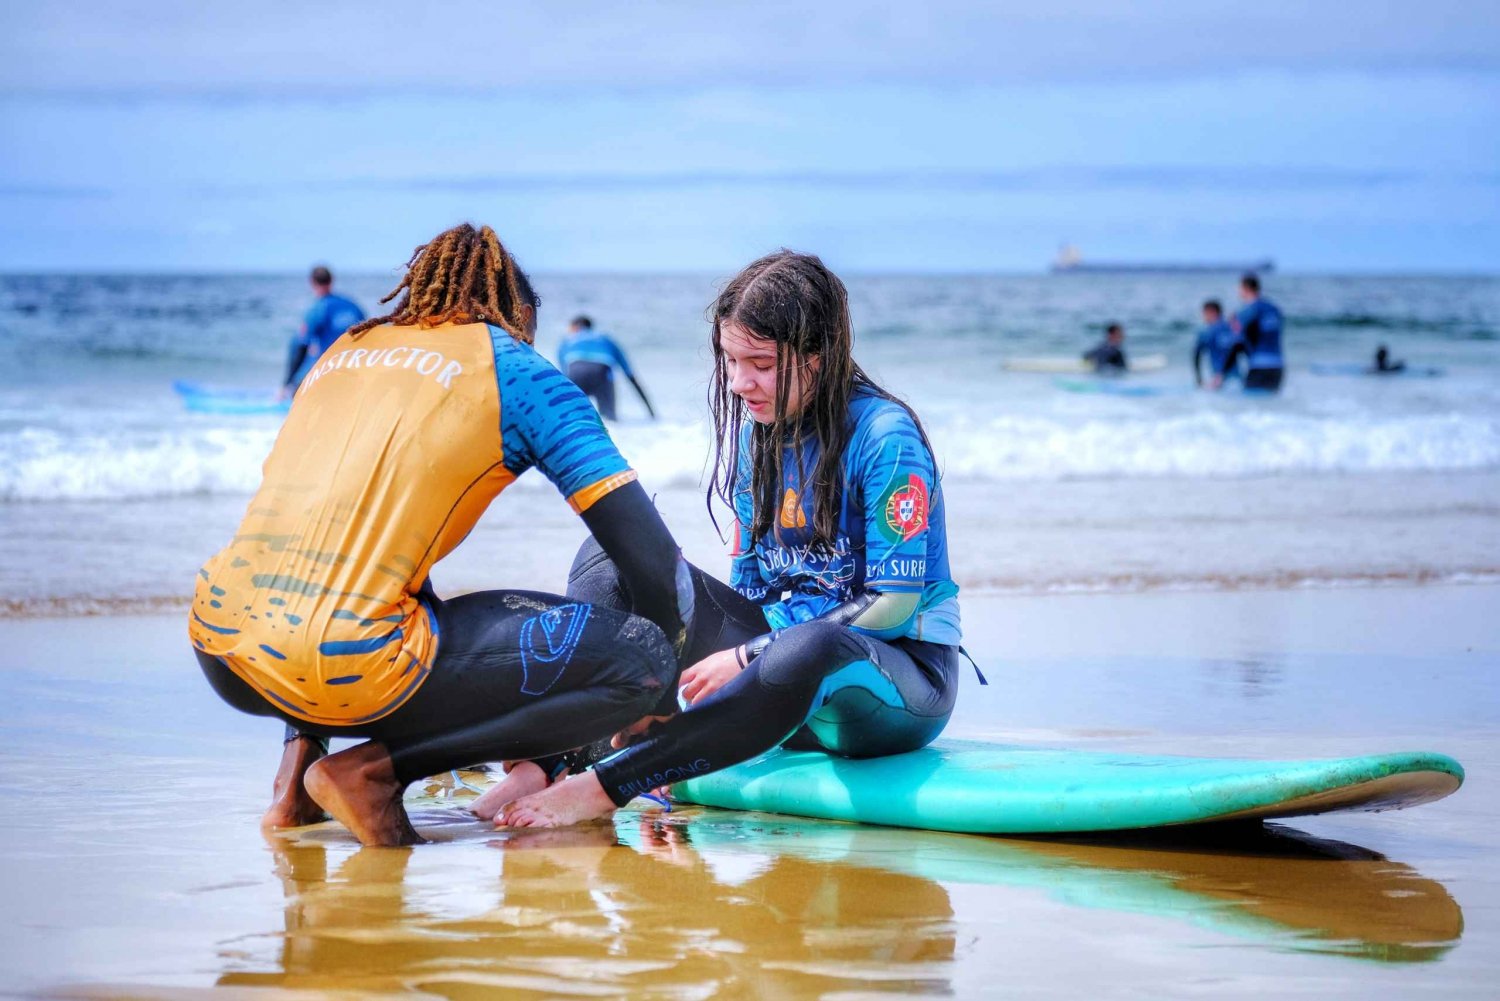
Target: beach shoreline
[1068, 536]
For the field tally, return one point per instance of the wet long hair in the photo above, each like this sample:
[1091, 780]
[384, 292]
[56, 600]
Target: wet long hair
[795, 301]
[462, 275]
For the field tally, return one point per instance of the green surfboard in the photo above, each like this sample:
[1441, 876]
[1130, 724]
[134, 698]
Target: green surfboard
[978, 788]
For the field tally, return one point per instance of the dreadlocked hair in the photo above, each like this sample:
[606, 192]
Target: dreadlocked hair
[795, 301]
[462, 275]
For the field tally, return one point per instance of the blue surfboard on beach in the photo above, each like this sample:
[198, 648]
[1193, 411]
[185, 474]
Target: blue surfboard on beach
[980, 788]
[208, 399]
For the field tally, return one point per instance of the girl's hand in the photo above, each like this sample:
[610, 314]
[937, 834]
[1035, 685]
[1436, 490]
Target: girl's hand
[710, 674]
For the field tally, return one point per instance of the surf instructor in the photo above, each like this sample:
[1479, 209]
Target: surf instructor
[319, 612]
[839, 627]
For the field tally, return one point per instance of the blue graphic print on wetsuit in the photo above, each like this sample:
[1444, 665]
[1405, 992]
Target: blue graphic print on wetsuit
[592, 346]
[1216, 341]
[548, 642]
[891, 537]
[1260, 329]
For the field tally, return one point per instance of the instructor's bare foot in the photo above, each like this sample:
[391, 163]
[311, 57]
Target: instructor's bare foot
[571, 801]
[523, 779]
[359, 788]
[291, 806]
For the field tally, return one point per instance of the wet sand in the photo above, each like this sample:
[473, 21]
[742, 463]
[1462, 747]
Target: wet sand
[135, 867]
[1024, 538]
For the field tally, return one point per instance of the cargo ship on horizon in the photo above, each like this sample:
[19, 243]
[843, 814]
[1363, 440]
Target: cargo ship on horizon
[1070, 261]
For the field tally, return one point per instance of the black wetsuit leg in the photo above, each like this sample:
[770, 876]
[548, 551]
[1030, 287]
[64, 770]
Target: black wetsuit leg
[722, 617]
[823, 684]
[1264, 379]
[597, 382]
[518, 674]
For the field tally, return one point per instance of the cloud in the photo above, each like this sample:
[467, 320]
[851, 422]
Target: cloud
[280, 46]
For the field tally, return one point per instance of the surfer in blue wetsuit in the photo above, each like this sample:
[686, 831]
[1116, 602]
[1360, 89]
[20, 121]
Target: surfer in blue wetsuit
[326, 321]
[839, 627]
[589, 358]
[1259, 327]
[1216, 341]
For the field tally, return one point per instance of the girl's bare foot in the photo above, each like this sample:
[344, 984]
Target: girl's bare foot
[359, 788]
[523, 779]
[571, 801]
[291, 806]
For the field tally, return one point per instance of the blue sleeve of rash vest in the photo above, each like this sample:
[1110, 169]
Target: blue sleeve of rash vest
[546, 422]
[896, 476]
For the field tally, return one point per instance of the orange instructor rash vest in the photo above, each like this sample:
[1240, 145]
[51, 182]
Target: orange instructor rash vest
[396, 443]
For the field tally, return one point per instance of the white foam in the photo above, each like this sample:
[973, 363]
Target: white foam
[47, 464]
[1213, 445]
[58, 464]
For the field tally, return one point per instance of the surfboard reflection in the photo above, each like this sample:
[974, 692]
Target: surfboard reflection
[705, 902]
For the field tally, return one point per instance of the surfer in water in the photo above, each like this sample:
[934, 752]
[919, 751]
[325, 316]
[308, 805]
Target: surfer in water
[1108, 356]
[589, 357]
[1259, 327]
[320, 613]
[1383, 363]
[839, 627]
[327, 319]
[1216, 342]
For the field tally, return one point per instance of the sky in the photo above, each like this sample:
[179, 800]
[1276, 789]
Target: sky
[146, 135]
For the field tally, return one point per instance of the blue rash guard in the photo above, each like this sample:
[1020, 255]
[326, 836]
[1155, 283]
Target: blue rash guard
[325, 322]
[594, 347]
[1217, 341]
[1260, 330]
[892, 536]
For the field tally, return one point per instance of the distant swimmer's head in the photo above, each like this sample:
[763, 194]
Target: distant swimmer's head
[1114, 333]
[580, 323]
[783, 348]
[1249, 287]
[321, 279]
[1213, 311]
[463, 275]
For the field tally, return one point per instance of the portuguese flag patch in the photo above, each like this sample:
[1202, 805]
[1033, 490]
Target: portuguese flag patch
[904, 508]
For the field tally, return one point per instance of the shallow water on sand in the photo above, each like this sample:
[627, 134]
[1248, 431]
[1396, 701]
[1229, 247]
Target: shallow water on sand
[134, 867]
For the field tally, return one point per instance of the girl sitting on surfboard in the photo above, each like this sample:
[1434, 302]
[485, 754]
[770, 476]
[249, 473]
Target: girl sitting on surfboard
[319, 611]
[839, 627]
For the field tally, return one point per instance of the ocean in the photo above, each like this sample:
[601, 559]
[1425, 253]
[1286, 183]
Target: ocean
[111, 491]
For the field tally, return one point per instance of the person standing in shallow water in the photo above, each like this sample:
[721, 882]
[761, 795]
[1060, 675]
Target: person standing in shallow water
[326, 321]
[839, 628]
[589, 357]
[319, 612]
[1216, 342]
[1259, 327]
